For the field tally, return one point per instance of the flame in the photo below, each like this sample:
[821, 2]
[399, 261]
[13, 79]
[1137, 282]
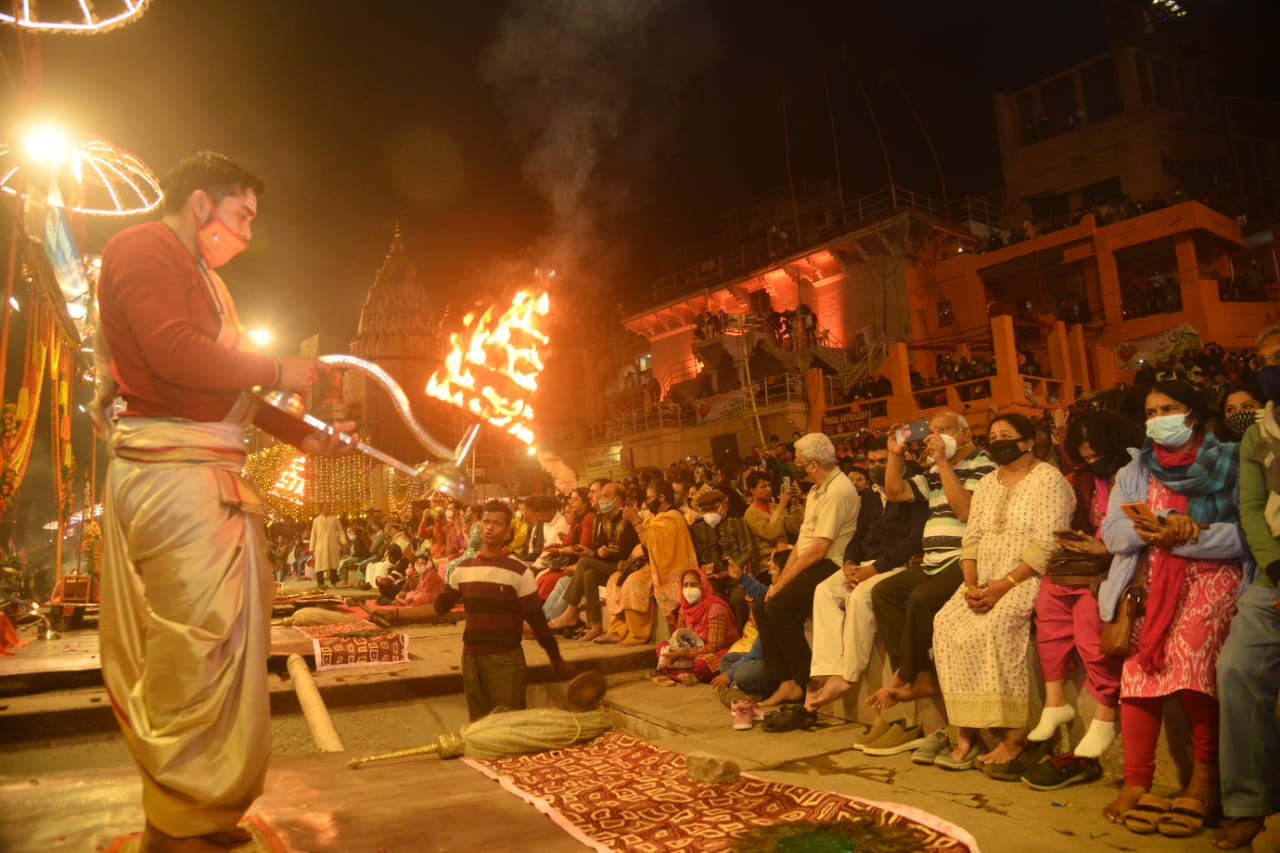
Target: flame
[495, 372]
[292, 484]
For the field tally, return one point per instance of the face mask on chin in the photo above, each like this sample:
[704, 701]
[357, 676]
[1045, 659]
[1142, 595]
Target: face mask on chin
[218, 243]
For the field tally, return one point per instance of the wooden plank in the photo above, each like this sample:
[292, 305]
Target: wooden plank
[313, 802]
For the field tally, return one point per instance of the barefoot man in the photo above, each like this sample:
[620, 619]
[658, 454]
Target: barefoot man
[905, 604]
[186, 584]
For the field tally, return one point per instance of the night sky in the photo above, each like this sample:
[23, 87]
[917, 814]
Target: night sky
[608, 136]
[601, 137]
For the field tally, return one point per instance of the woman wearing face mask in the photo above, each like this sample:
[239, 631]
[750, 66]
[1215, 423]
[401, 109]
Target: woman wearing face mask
[705, 631]
[1067, 622]
[1242, 403]
[1193, 571]
[980, 635]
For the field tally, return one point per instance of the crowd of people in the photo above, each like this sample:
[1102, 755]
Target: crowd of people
[1140, 535]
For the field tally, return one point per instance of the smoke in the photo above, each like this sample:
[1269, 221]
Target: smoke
[584, 85]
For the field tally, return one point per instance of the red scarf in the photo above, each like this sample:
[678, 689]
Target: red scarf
[698, 616]
[1165, 577]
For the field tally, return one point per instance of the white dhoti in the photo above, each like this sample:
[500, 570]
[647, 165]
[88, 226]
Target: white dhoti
[844, 626]
[185, 620]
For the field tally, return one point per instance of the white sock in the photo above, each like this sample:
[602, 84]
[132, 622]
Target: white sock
[1096, 740]
[1050, 719]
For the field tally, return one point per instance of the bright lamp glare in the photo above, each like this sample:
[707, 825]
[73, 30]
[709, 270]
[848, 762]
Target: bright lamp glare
[46, 145]
[260, 337]
[532, 451]
[13, 303]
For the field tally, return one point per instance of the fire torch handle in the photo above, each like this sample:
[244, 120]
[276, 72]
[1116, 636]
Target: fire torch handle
[367, 449]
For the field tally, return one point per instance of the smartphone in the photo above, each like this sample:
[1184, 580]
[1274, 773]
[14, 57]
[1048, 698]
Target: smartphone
[1141, 511]
[914, 431]
[1069, 534]
[786, 484]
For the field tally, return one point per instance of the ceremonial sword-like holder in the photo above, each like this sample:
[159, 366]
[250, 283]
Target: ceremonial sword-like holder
[443, 475]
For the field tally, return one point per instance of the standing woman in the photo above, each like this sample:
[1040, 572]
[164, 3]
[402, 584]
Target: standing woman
[980, 635]
[1188, 478]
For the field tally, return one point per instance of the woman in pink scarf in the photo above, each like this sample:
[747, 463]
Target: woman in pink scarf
[705, 631]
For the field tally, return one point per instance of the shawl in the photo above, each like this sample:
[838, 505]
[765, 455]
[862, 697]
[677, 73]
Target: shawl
[670, 552]
[1209, 482]
[698, 616]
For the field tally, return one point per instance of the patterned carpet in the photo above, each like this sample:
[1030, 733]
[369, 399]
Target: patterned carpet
[354, 644]
[263, 840]
[621, 793]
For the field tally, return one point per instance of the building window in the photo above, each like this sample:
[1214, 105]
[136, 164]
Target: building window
[1101, 92]
[1058, 105]
[945, 315]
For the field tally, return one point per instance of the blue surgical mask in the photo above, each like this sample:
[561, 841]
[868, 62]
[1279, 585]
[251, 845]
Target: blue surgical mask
[1169, 430]
[608, 506]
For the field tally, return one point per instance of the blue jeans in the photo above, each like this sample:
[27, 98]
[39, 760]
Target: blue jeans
[748, 675]
[555, 603]
[1248, 686]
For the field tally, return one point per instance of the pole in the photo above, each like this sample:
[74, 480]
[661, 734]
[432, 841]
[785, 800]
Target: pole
[875, 125]
[937, 162]
[314, 712]
[786, 143]
[835, 140]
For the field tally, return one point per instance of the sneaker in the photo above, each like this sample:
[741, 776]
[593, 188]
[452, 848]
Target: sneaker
[934, 745]
[744, 714]
[898, 739]
[1062, 771]
[877, 731]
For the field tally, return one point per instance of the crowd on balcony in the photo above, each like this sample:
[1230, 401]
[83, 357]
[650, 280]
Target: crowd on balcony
[791, 329]
[1105, 212]
[1158, 294]
[1248, 286]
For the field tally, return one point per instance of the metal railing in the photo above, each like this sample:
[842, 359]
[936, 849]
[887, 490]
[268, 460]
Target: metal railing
[769, 248]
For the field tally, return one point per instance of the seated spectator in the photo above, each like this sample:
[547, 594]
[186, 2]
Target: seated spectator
[1067, 621]
[1242, 405]
[905, 604]
[1188, 479]
[844, 624]
[613, 539]
[717, 538]
[981, 634]
[652, 573]
[376, 572]
[829, 521]
[704, 631]
[1248, 677]
[423, 585]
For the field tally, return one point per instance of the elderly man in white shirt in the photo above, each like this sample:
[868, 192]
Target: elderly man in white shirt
[830, 519]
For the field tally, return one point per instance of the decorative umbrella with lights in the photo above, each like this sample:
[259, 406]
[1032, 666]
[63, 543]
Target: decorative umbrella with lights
[97, 177]
[83, 17]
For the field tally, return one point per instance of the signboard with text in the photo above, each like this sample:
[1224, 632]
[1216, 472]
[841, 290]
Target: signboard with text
[846, 420]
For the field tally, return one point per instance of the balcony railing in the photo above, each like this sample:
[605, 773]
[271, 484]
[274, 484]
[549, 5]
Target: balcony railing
[768, 248]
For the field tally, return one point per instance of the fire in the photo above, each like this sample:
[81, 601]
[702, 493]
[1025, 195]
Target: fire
[495, 372]
[292, 484]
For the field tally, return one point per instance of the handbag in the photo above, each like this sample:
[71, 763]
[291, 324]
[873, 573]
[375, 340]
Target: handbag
[1117, 635]
[1071, 568]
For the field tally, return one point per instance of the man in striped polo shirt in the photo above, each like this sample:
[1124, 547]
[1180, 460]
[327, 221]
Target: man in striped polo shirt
[499, 594]
[905, 604]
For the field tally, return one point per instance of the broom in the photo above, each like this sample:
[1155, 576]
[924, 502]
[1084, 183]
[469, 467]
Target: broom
[509, 733]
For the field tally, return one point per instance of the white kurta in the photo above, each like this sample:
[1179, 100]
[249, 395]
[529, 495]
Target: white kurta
[327, 539]
[982, 657]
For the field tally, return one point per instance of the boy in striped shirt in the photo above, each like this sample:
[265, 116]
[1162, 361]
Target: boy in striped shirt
[499, 594]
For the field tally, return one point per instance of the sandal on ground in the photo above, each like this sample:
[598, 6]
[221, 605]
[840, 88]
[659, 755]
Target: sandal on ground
[1146, 814]
[789, 718]
[1186, 817]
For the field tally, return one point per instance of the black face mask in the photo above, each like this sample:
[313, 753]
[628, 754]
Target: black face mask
[1005, 451]
[1106, 467]
[654, 506]
[798, 473]
[876, 475]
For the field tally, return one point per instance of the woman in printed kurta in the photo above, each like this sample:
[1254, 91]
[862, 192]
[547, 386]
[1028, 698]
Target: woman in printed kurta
[709, 618]
[980, 635]
[1189, 479]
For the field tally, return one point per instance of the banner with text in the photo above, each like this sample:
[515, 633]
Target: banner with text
[845, 420]
[722, 408]
[1155, 348]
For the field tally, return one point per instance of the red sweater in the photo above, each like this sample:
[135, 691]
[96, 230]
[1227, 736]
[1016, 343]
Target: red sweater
[161, 324]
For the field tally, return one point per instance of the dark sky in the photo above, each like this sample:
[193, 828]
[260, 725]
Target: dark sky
[505, 131]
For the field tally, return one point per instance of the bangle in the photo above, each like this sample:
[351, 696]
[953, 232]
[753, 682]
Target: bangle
[1012, 580]
[279, 373]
